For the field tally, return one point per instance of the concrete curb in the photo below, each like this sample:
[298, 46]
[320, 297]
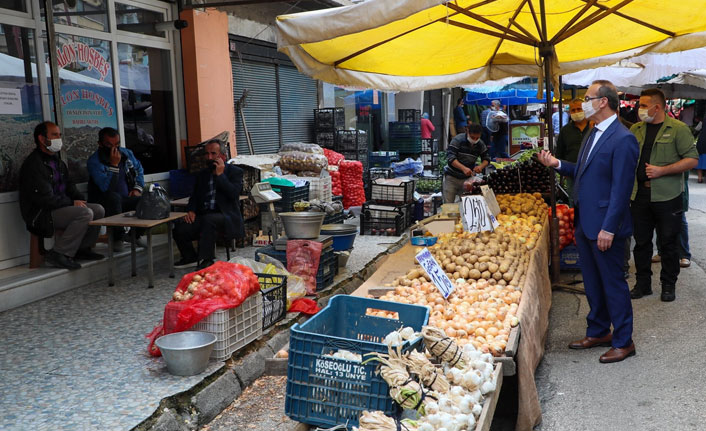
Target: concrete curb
[198, 406]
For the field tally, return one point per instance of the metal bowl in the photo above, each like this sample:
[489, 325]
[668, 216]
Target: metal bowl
[302, 225]
[186, 353]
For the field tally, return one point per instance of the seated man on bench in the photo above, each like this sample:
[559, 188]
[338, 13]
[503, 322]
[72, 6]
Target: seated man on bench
[52, 206]
[214, 206]
[116, 179]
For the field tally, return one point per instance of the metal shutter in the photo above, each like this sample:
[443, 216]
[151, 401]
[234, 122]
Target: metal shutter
[299, 97]
[260, 110]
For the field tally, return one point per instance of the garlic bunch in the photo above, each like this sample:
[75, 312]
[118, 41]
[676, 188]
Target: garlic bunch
[345, 354]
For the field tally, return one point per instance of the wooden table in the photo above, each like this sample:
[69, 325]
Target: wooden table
[123, 221]
[183, 202]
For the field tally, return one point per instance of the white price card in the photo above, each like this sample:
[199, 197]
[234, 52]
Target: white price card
[437, 275]
[475, 214]
[490, 199]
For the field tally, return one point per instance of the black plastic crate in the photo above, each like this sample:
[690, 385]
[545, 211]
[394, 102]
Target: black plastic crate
[274, 298]
[290, 195]
[430, 145]
[398, 130]
[335, 218]
[406, 145]
[409, 115]
[334, 118]
[325, 138]
[335, 198]
[376, 219]
[430, 160]
[361, 156]
[351, 140]
[393, 194]
[376, 173]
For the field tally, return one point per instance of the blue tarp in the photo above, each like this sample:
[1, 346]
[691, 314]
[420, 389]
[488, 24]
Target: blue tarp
[506, 97]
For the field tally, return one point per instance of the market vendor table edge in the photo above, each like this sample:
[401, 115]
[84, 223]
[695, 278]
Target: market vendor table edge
[122, 221]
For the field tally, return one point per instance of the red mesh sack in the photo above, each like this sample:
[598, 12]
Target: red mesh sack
[303, 260]
[336, 188]
[333, 157]
[352, 183]
[221, 286]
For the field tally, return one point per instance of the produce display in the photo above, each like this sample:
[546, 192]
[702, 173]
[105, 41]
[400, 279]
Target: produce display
[333, 157]
[315, 205]
[301, 147]
[352, 176]
[336, 187]
[472, 185]
[428, 185]
[488, 271]
[449, 397]
[296, 161]
[566, 225]
[526, 176]
[237, 282]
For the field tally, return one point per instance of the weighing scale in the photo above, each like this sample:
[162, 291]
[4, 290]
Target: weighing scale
[262, 193]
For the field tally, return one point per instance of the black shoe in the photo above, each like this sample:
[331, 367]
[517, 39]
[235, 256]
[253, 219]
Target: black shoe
[204, 264]
[61, 260]
[88, 254]
[639, 292]
[668, 294]
[185, 263]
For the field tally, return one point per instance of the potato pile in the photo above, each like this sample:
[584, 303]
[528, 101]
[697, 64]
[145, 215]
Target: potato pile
[488, 269]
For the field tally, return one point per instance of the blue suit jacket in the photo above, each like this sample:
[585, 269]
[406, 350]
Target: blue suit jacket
[605, 182]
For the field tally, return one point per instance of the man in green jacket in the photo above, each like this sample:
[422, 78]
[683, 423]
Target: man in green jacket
[666, 150]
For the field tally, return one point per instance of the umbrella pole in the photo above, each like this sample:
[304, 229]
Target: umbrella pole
[554, 233]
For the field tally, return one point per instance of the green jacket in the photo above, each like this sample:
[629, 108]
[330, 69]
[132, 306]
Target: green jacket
[673, 143]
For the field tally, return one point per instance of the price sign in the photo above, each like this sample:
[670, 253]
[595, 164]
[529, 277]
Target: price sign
[490, 199]
[437, 275]
[475, 214]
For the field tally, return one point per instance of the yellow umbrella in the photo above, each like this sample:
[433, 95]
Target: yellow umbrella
[409, 45]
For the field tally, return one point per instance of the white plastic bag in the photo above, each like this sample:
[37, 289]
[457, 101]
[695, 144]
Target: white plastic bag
[296, 288]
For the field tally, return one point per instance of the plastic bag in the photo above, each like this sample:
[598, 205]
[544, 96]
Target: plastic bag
[221, 286]
[296, 288]
[302, 161]
[299, 146]
[408, 167]
[154, 204]
[303, 260]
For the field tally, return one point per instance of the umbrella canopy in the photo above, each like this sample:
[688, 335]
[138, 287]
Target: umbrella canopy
[412, 45]
[506, 97]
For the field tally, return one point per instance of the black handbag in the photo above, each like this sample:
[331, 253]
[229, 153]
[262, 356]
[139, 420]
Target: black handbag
[154, 204]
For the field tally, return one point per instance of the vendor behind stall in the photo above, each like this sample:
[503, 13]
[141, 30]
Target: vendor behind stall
[462, 154]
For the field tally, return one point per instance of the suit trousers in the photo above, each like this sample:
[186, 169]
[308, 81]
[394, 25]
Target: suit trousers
[666, 219]
[607, 291]
[73, 221]
[204, 229]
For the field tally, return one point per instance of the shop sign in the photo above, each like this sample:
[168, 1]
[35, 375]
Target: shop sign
[334, 368]
[475, 214]
[437, 275]
[88, 105]
[10, 101]
[85, 55]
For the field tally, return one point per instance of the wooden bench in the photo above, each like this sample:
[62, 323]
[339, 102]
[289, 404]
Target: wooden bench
[36, 251]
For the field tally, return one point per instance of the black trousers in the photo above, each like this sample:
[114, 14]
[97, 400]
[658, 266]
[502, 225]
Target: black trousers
[665, 218]
[205, 229]
[114, 203]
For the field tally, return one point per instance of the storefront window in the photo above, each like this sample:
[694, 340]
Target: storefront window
[148, 110]
[137, 20]
[91, 14]
[20, 101]
[17, 5]
[87, 97]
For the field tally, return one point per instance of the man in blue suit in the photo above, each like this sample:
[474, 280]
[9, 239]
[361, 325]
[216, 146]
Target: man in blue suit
[603, 180]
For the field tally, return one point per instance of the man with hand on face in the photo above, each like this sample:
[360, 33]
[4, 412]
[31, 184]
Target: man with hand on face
[463, 151]
[603, 178]
[52, 206]
[116, 179]
[214, 206]
[667, 150]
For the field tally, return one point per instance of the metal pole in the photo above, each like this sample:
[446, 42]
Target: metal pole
[561, 104]
[546, 52]
[53, 64]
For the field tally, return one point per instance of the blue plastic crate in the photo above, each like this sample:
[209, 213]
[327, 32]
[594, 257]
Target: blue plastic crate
[324, 391]
[569, 258]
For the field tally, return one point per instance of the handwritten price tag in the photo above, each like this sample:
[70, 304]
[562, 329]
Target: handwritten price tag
[437, 275]
[475, 214]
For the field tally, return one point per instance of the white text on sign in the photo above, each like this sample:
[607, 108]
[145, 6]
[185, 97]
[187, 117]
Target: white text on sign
[437, 275]
[475, 214]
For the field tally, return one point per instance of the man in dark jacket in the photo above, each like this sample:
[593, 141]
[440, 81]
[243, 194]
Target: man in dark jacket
[116, 179]
[462, 154]
[214, 207]
[52, 206]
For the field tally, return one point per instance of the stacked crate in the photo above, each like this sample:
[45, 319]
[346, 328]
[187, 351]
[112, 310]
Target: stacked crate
[430, 154]
[409, 115]
[406, 138]
[353, 144]
[327, 121]
[389, 210]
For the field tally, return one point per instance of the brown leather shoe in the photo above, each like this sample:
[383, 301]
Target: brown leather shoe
[588, 342]
[617, 355]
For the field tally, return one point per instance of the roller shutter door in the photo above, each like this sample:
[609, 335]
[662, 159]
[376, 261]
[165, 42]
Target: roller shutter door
[261, 111]
[299, 98]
